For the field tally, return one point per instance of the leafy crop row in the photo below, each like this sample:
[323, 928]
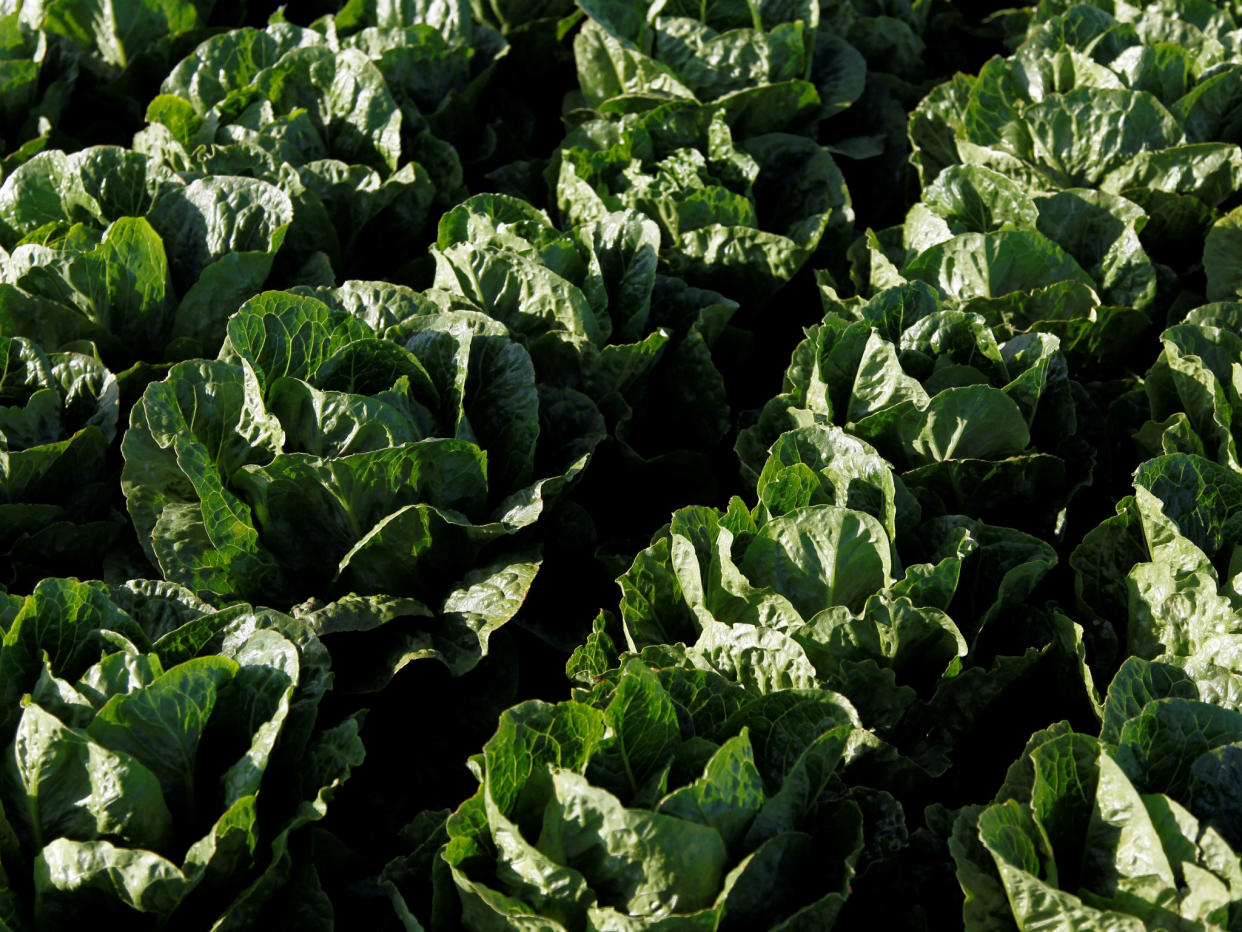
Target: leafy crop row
[405, 522]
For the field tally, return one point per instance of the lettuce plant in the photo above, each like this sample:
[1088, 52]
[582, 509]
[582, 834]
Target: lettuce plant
[1099, 231]
[768, 69]
[1073, 257]
[928, 384]
[1078, 836]
[158, 755]
[738, 218]
[439, 64]
[295, 93]
[1102, 102]
[315, 117]
[1141, 824]
[842, 72]
[600, 316]
[36, 83]
[659, 798]
[96, 64]
[809, 590]
[983, 240]
[595, 312]
[58, 415]
[1192, 388]
[412, 468]
[108, 247]
[355, 119]
[1168, 72]
[108, 44]
[1162, 571]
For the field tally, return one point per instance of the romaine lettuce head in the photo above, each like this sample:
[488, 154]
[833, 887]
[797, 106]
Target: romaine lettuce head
[359, 121]
[1120, 123]
[1142, 824]
[807, 593]
[1077, 837]
[1103, 102]
[1171, 551]
[1075, 258]
[974, 425]
[58, 416]
[316, 459]
[837, 579]
[1193, 389]
[283, 84]
[439, 64]
[35, 83]
[759, 73]
[1071, 263]
[740, 219]
[769, 66]
[1150, 77]
[107, 43]
[109, 247]
[595, 312]
[140, 727]
[660, 798]
[1163, 573]
[1099, 231]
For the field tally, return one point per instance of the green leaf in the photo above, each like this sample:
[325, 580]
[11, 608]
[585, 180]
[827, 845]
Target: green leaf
[286, 335]
[341, 502]
[986, 265]
[758, 657]
[973, 199]
[644, 862]
[201, 406]
[1210, 172]
[526, 296]
[221, 235]
[59, 624]
[1222, 257]
[118, 674]
[76, 788]
[1158, 747]
[653, 608]
[971, 422]
[1137, 683]
[726, 797]
[643, 726]
[117, 32]
[1200, 497]
[345, 96]
[95, 185]
[161, 726]
[800, 787]
[141, 880]
[116, 294]
[820, 556]
[1080, 135]
[1101, 232]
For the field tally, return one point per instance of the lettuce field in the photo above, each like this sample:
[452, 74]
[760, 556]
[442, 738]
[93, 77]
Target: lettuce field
[621, 466]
